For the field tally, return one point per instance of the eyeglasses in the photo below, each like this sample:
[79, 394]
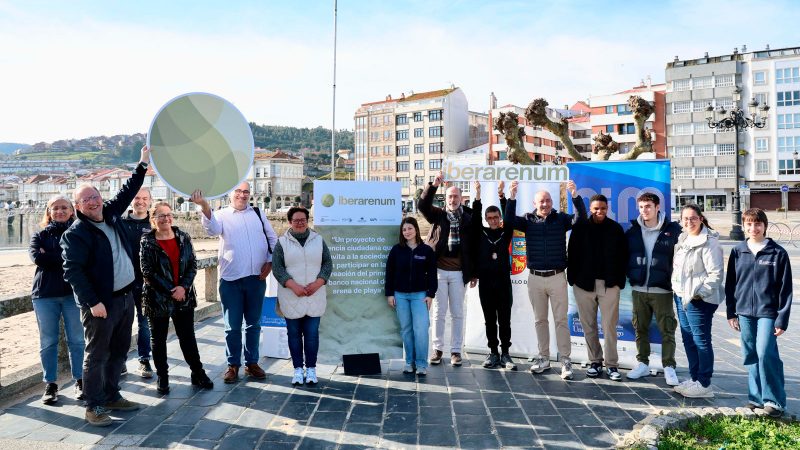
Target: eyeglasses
[241, 192]
[91, 198]
[164, 216]
[691, 219]
[299, 220]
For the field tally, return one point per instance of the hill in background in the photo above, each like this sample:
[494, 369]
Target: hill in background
[7, 148]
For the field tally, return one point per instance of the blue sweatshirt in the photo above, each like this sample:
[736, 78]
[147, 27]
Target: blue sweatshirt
[410, 270]
[759, 285]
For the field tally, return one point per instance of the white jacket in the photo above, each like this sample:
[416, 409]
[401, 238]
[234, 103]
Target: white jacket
[697, 268]
[303, 262]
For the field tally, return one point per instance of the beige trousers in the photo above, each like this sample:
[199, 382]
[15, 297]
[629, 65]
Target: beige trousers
[607, 299]
[553, 291]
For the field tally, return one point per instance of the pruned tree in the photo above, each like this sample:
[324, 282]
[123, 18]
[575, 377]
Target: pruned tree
[605, 144]
[508, 124]
[536, 113]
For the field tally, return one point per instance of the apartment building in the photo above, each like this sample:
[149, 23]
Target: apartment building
[276, 180]
[703, 159]
[406, 139]
[611, 115]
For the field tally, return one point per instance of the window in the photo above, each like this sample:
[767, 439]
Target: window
[681, 107]
[258, 172]
[681, 85]
[762, 145]
[374, 120]
[435, 114]
[789, 144]
[788, 121]
[787, 75]
[419, 148]
[402, 135]
[401, 119]
[788, 167]
[762, 167]
[388, 149]
[419, 164]
[704, 172]
[683, 173]
[418, 132]
[681, 129]
[435, 164]
[702, 82]
[788, 98]
[725, 102]
[435, 147]
[681, 151]
[419, 180]
[761, 98]
[435, 131]
[627, 128]
[759, 78]
[374, 136]
[704, 150]
[623, 110]
[418, 117]
[724, 149]
[387, 135]
[701, 105]
[723, 80]
[725, 172]
[403, 182]
[402, 166]
[610, 129]
[387, 165]
[702, 128]
[373, 151]
[610, 109]
[402, 150]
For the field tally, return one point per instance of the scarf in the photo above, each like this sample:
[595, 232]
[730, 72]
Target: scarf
[454, 239]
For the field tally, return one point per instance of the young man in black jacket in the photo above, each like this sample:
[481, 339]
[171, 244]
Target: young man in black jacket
[494, 278]
[98, 265]
[137, 223]
[598, 257]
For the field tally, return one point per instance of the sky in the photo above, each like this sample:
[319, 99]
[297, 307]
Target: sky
[102, 67]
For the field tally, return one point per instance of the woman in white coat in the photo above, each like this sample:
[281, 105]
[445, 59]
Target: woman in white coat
[301, 263]
[697, 275]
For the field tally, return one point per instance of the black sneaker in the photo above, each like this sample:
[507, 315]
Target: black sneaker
[124, 370]
[79, 390]
[613, 374]
[594, 370]
[753, 406]
[492, 360]
[773, 412]
[50, 395]
[506, 362]
[145, 371]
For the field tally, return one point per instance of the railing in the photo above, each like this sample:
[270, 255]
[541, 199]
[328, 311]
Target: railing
[786, 234]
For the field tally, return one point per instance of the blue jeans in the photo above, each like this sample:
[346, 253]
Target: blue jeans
[242, 298]
[303, 337]
[760, 352]
[414, 323]
[143, 333]
[48, 313]
[695, 321]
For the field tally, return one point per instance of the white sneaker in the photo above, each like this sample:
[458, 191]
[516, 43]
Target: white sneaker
[311, 375]
[684, 384]
[566, 369]
[670, 376]
[298, 376]
[642, 370]
[409, 368]
[540, 365]
[697, 390]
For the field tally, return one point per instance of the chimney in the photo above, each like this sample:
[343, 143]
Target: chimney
[676, 58]
[706, 55]
[402, 95]
[388, 97]
[767, 47]
[492, 101]
[736, 50]
[744, 48]
[649, 82]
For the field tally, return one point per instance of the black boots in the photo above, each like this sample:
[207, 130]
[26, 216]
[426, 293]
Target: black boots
[201, 380]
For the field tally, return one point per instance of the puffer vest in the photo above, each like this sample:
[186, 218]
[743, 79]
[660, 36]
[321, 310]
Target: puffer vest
[303, 263]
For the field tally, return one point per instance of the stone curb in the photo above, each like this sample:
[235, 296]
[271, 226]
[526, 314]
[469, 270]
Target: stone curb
[647, 431]
[29, 376]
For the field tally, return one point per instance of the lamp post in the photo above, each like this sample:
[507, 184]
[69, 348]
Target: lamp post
[736, 119]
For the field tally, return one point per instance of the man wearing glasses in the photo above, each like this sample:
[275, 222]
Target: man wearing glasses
[98, 264]
[245, 261]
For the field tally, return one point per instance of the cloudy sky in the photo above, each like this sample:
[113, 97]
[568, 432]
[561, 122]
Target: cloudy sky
[91, 67]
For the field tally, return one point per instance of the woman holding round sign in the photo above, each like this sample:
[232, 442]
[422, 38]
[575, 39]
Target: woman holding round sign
[168, 268]
[410, 286]
[302, 265]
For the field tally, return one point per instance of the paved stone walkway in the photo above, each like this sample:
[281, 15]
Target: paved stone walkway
[464, 407]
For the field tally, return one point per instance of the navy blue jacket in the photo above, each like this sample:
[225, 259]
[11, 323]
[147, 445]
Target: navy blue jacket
[545, 241]
[582, 270]
[410, 270]
[759, 285]
[48, 281]
[88, 263]
[661, 261]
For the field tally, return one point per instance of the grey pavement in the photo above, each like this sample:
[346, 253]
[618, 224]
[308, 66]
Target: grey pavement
[463, 407]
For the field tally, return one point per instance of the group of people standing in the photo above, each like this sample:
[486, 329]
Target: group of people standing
[675, 269]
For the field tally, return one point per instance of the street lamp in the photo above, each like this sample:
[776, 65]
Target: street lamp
[736, 119]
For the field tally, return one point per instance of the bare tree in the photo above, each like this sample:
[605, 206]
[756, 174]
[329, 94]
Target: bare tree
[508, 125]
[536, 113]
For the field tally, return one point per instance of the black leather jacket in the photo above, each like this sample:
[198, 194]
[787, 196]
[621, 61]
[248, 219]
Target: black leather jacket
[157, 273]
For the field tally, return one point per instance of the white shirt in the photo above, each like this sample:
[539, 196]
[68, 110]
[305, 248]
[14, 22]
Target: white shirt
[242, 247]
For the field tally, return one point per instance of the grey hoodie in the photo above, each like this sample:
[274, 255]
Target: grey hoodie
[650, 236]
